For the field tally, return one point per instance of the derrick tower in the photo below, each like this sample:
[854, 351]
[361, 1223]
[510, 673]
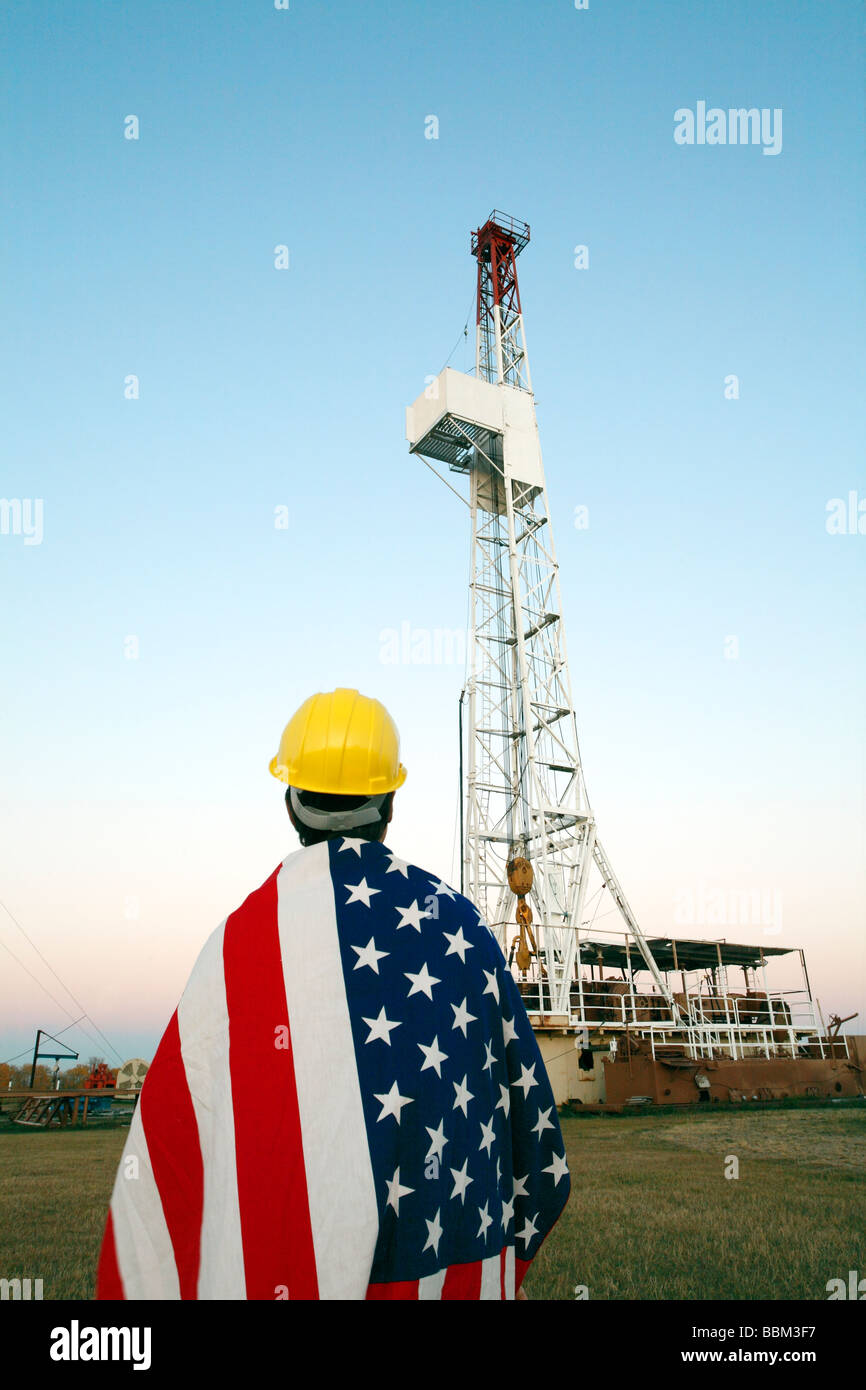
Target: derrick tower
[523, 789]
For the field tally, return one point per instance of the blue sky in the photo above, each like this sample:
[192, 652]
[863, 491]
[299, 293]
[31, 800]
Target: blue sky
[146, 779]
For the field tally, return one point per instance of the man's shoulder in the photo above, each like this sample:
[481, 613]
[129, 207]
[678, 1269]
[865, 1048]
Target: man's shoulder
[372, 874]
[304, 863]
[392, 884]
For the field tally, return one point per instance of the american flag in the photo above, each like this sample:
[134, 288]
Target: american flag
[349, 1103]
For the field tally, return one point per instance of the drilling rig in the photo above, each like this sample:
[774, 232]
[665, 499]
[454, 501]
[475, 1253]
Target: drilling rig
[531, 857]
[525, 798]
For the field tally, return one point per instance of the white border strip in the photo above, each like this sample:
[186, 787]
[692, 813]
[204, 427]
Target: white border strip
[203, 1023]
[340, 1187]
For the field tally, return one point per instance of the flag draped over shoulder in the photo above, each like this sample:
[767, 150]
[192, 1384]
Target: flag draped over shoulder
[348, 1103]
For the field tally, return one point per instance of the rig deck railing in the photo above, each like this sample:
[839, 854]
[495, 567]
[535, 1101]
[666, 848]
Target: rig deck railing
[738, 1026]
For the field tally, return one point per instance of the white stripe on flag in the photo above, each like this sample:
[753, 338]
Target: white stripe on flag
[202, 1020]
[341, 1192]
[431, 1286]
[491, 1278]
[145, 1256]
[509, 1272]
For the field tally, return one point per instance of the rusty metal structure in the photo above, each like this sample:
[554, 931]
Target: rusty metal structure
[58, 1109]
[718, 1032]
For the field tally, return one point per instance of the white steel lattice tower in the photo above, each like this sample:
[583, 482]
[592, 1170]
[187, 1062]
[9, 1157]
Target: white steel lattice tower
[523, 792]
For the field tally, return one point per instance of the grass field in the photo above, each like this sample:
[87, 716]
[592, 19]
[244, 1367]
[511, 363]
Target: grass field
[651, 1215]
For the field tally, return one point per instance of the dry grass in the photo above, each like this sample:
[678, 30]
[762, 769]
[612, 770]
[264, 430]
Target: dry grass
[817, 1138]
[651, 1215]
[54, 1193]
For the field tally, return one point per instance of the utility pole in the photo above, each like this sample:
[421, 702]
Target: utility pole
[40, 1033]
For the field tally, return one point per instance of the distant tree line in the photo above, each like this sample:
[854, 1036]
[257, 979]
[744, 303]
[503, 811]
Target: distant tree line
[17, 1078]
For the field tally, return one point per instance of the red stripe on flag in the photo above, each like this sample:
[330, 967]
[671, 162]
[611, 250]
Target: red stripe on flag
[406, 1291]
[462, 1281]
[109, 1284]
[502, 1289]
[272, 1182]
[170, 1128]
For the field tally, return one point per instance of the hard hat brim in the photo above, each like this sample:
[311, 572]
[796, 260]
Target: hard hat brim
[283, 774]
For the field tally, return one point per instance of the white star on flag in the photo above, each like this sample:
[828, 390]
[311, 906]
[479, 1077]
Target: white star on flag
[489, 1058]
[488, 1135]
[360, 892]
[437, 1141]
[529, 1230]
[349, 843]
[464, 1095]
[380, 1027]
[507, 1212]
[509, 1032]
[559, 1168]
[440, 887]
[520, 1187]
[411, 916]
[485, 1220]
[459, 945]
[542, 1123]
[368, 955]
[461, 1182]
[434, 1234]
[462, 1016]
[492, 986]
[392, 1103]
[433, 1057]
[397, 866]
[504, 1101]
[395, 1191]
[422, 983]
[526, 1079]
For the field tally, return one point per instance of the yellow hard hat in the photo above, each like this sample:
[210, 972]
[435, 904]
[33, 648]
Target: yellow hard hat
[342, 742]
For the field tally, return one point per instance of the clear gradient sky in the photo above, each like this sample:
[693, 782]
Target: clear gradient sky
[136, 805]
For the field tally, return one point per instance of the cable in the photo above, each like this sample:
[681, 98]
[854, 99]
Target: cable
[463, 333]
[39, 982]
[76, 1022]
[27, 1052]
[68, 1026]
[77, 1002]
[42, 958]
